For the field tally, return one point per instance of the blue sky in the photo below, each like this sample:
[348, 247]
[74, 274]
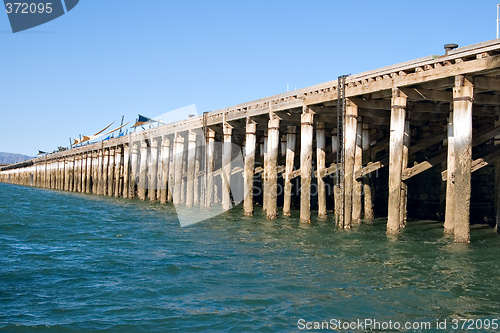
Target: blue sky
[108, 58]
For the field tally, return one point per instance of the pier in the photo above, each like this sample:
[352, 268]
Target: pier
[412, 140]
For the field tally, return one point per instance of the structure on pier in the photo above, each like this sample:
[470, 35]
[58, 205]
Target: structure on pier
[408, 139]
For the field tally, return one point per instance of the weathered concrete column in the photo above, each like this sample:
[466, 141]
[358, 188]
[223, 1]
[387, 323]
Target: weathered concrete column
[118, 172]
[111, 172]
[153, 170]
[209, 191]
[320, 166]
[191, 164]
[250, 141]
[88, 175]
[226, 167]
[367, 184]
[291, 138]
[126, 170]
[398, 114]
[306, 141]
[143, 165]
[273, 133]
[134, 154]
[164, 165]
[178, 153]
[463, 93]
[350, 154]
[357, 191]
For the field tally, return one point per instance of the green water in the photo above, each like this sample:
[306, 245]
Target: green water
[73, 262]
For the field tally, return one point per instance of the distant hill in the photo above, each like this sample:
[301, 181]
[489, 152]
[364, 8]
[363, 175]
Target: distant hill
[8, 158]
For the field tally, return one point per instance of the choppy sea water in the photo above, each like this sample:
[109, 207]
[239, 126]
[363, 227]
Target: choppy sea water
[73, 262]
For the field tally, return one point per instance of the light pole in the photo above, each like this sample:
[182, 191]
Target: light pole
[498, 18]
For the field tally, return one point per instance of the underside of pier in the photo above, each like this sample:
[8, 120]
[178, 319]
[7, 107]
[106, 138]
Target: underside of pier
[412, 140]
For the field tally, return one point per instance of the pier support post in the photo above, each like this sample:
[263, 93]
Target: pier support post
[111, 172]
[320, 166]
[95, 172]
[88, 173]
[209, 175]
[134, 150]
[450, 183]
[165, 163]
[291, 138]
[358, 184]
[272, 166]
[251, 130]
[226, 167]
[178, 154]
[398, 114]
[350, 154]
[463, 93]
[191, 164]
[265, 161]
[126, 169]
[105, 167]
[118, 172]
[153, 169]
[404, 186]
[306, 141]
[83, 174]
[143, 165]
[69, 171]
[197, 169]
[497, 182]
[100, 172]
[367, 183]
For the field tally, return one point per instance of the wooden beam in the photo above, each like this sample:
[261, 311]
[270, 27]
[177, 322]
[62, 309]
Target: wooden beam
[396, 160]
[290, 158]
[272, 167]
[306, 133]
[320, 166]
[462, 142]
[350, 154]
[250, 142]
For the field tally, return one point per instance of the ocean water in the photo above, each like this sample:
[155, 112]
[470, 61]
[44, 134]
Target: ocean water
[74, 263]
